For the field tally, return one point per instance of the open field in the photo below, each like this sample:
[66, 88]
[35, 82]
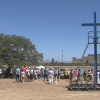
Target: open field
[9, 90]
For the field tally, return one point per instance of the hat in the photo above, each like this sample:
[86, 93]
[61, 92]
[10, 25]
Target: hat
[66, 68]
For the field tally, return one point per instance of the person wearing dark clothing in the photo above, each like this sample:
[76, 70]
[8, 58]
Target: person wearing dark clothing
[4, 72]
[71, 74]
[17, 75]
[85, 74]
[45, 73]
[8, 72]
[56, 75]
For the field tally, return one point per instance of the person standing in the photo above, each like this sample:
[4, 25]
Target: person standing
[17, 75]
[11, 72]
[56, 75]
[51, 73]
[91, 74]
[59, 74]
[85, 74]
[97, 76]
[71, 75]
[24, 69]
[45, 73]
[27, 74]
[8, 72]
[31, 75]
[41, 71]
[22, 76]
[65, 73]
[35, 74]
[39, 74]
[79, 74]
[76, 74]
[4, 70]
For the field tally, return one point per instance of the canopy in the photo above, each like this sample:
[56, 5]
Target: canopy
[41, 66]
[66, 68]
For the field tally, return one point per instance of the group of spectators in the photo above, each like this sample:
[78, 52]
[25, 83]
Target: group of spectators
[87, 74]
[8, 72]
[75, 74]
[30, 74]
[33, 74]
[27, 74]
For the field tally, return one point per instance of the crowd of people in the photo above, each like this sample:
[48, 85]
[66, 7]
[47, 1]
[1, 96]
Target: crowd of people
[87, 74]
[27, 74]
[33, 74]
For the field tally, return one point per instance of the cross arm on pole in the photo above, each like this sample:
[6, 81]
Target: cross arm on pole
[90, 24]
[95, 44]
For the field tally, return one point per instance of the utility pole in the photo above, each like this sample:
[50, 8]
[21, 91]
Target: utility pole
[62, 57]
[95, 38]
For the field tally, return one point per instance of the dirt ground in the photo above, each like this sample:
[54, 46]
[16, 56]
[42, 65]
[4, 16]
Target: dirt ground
[41, 90]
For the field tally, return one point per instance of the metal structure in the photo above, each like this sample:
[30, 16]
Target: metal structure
[95, 42]
[62, 55]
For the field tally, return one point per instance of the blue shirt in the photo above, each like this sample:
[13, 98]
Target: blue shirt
[18, 71]
[79, 73]
[45, 71]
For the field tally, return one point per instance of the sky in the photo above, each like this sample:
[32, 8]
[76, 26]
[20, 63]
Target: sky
[52, 25]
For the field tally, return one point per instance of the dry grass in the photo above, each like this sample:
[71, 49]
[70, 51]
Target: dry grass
[9, 90]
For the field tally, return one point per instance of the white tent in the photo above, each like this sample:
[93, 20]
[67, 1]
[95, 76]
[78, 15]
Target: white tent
[41, 66]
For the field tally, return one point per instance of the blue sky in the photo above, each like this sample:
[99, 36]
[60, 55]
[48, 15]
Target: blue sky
[52, 25]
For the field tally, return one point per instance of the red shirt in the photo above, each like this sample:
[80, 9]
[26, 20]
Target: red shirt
[76, 72]
[24, 69]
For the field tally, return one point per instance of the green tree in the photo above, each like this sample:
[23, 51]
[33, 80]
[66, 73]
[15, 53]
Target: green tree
[52, 61]
[18, 50]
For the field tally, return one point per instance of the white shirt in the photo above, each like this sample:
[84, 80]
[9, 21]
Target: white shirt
[97, 73]
[22, 73]
[27, 71]
[10, 70]
[51, 72]
[31, 71]
[35, 72]
[68, 72]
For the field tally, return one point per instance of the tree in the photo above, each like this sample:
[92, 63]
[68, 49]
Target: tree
[17, 50]
[52, 61]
